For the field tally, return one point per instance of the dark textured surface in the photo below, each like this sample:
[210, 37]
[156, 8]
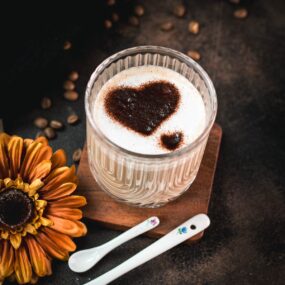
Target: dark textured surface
[245, 59]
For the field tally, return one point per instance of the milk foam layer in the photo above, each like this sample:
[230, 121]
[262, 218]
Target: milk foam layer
[190, 117]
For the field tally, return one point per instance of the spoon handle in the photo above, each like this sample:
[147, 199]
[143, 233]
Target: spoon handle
[185, 231]
[137, 230]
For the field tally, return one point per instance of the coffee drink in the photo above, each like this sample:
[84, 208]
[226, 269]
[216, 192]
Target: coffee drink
[150, 110]
[149, 114]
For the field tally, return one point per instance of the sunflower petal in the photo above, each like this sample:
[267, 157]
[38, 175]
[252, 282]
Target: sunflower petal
[69, 202]
[59, 176]
[65, 213]
[4, 161]
[35, 154]
[42, 140]
[46, 222]
[40, 171]
[58, 159]
[22, 266]
[6, 259]
[40, 262]
[68, 227]
[4, 234]
[27, 142]
[8, 182]
[16, 240]
[35, 186]
[45, 153]
[63, 190]
[4, 138]
[30, 229]
[55, 173]
[62, 240]
[19, 184]
[51, 247]
[30, 157]
[40, 204]
[15, 150]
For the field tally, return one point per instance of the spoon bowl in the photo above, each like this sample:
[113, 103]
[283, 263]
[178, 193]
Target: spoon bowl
[84, 260]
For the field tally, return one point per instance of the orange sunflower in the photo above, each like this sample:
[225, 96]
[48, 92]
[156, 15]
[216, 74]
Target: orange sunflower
[38, 214]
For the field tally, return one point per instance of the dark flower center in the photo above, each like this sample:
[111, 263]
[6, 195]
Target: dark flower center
[16, 208]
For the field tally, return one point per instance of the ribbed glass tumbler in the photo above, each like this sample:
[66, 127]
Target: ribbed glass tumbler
[139, 179]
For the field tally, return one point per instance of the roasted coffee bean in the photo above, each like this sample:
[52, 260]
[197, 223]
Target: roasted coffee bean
[72, 119]
[50, 133]
[139, 10]
[193, 27]
[166, 26]
[134, 21]
[73, 75]
[55, 124]
[45, 103]
[108, 24]
[111, 2]
[240, 13]
[67, 45]
[194, 54]
[71, 95]
[68, 85]
[41, 122]
[77, 155]
[179, 10]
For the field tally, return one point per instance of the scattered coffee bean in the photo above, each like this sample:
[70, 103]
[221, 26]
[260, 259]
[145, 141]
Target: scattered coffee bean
[179, 10]
[235, 1]
[46, 103]
[41, 122]
[193, 27]
[108, 24]
[72, 119]
[240, 13]
[166, 26]
[55, 124]
[71, 95]
[115, 17]
[73, 75]
[67, 45]
[139, 10]
[50, 133]
[194, 54]
[68, 85]
[40, 134]
[77, 155]
[134, 21]
[111, 2]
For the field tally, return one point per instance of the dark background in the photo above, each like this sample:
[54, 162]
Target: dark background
[244, 58]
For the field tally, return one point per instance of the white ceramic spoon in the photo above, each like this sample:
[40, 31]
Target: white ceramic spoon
[185, 231]
[83, 260]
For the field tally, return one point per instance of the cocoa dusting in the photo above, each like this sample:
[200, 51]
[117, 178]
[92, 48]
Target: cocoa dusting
[171, 141]
[143, 109]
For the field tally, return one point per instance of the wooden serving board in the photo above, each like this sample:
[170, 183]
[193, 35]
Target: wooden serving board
[114, 215]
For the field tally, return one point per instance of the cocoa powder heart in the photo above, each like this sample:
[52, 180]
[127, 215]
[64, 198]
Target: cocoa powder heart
[143, 109]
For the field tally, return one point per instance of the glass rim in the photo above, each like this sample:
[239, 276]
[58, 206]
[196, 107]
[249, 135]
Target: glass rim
[152, 49]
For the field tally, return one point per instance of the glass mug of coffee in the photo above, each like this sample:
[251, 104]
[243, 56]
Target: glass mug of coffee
[149, 113]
